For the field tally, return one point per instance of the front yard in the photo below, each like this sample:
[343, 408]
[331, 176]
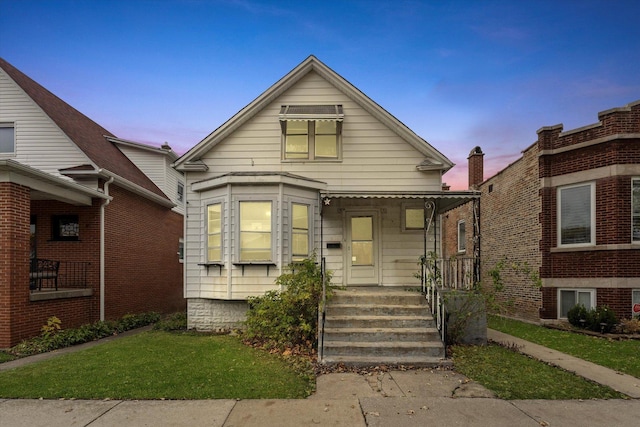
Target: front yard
[161, 365]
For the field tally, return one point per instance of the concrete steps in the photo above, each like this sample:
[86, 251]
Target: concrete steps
[378, 325]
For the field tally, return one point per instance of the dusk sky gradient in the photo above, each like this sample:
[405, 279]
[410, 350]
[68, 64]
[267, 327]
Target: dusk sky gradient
[458, 73]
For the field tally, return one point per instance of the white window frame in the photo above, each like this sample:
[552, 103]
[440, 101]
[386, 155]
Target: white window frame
[181, 250]
[273, 232]
[635, 299]
[592, 293]
[311, 149]
[635, 199]
[592, 213]
[12, 126]
[462, 237]
[403, 220]
[296, 257]
[180, 192]
[206, 233]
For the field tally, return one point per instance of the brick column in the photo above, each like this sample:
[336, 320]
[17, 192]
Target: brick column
[14, 259]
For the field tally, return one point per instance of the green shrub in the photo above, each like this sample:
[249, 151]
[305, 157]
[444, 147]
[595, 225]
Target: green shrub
[599, 319]
[54, 337]
[173, 322]
[289, 317]
[604, 319]
[577, 313]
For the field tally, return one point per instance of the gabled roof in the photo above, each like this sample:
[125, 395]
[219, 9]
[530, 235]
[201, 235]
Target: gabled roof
[190, 160]
[89, 136]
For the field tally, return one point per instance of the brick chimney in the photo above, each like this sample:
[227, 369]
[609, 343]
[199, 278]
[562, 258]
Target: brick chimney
[476, 167]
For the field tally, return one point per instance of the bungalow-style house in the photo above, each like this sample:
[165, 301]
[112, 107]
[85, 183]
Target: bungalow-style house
[85, 234]
[311, 165]
[568, 209]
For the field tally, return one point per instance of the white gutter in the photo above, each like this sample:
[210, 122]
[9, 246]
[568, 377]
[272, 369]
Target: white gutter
[102, 206]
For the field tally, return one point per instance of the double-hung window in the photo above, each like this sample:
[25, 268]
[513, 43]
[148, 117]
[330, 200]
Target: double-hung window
[299, 232]
[571, 297]
[635, 210]
[255, 231]
[7, 138]
[576, 215]
[214, 232]
[311, 132]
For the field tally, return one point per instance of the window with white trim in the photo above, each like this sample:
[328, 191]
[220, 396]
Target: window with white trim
[180, 192]
[299, 232]
[311, 132]
[7, 138]
[181, 250]
[413, 218]
[635, 210]
[255, 231]
[462, 236]
[214, 232]
[569, 298]
[576, 215]
[635, 302]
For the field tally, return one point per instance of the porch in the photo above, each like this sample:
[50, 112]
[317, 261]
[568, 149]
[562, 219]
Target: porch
[54, 279]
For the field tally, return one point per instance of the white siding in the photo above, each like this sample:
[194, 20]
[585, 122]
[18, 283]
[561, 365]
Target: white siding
[39, 141]
[157, 166]
[373, 156]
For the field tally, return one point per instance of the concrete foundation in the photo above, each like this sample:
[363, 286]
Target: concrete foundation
[215, 315]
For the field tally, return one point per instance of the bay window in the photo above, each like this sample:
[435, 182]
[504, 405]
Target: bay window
[299, 232]
[214, 232]
[255, 231]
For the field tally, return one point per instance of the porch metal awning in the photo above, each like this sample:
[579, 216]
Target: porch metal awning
[445, 200]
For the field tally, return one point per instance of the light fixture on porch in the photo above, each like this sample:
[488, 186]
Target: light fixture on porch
[326, 201]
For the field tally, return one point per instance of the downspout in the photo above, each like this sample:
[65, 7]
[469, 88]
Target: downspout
[105, 189]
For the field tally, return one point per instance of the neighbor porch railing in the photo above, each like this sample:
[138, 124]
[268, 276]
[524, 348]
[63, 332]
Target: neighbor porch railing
[441, 275]
[48, 274]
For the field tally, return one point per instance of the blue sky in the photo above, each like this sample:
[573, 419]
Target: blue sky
[458, 73]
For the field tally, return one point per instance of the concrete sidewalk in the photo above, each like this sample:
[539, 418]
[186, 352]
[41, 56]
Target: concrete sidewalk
[397, 398]
[616, 380]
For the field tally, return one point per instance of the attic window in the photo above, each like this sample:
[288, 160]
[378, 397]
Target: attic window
[311, 132]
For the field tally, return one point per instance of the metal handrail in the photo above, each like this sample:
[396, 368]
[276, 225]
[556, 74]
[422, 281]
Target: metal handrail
[322, 311]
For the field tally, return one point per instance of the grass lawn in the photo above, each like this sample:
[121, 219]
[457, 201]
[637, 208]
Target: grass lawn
[161, 365]
[512, 375]
[4, 357]
[620, 355]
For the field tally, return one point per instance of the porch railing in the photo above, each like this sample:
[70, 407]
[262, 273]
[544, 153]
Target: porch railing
[51, 274]
[322, 309]
[441, 275]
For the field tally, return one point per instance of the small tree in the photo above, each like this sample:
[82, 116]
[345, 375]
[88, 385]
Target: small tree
[289, 316]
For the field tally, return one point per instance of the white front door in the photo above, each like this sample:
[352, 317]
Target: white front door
[362, 264]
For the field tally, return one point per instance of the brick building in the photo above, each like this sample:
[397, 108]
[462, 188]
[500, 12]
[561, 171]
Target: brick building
[569, 208]
[85, 233]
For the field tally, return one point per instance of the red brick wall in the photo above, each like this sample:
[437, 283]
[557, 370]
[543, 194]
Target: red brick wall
[14, 260]
[613, 205]
[141, 262]
[142, 268]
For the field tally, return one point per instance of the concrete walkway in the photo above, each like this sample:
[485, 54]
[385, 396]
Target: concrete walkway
[397, 398]
[618, 381]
